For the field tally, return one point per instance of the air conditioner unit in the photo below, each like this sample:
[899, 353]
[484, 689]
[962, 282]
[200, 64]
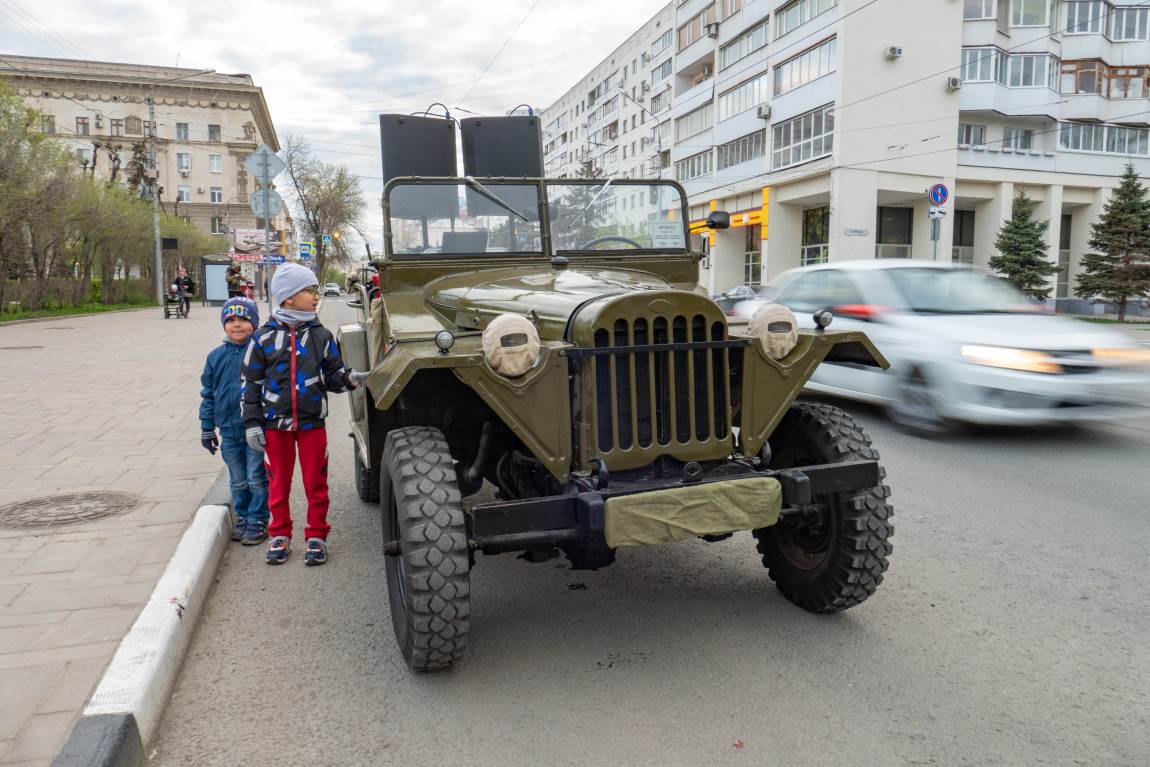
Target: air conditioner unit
[953, 83]
[712, 30]
[199, 190]
[707, 70]
[99, 121]
[184, 171]
[646, 87]
[764, 112]
[892, 52]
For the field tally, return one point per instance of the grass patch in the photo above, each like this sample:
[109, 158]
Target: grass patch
[1107, 321]
[70, 310]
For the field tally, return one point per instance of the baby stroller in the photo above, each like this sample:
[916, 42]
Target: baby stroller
[174, 303]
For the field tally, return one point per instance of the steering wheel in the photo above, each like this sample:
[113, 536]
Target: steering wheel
[610, 238]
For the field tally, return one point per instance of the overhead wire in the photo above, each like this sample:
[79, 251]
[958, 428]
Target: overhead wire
[493, 58]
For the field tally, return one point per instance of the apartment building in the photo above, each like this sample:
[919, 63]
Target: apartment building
[820, 125]
[206, 125]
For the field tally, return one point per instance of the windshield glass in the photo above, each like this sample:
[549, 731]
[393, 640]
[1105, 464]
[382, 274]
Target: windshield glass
[464, 219]
[957, 291]
[619, 215]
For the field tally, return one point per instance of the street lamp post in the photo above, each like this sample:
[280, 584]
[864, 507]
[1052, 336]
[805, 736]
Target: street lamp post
[154, 167]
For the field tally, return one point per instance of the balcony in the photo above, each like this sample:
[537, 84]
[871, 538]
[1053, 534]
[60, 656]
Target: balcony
[1092, 106]
[1015, 102]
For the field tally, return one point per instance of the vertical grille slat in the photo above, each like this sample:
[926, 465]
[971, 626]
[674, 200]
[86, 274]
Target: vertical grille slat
[701, 402]
[623, 376]
[719, 369]
[643, 386]
[662, 384]
[680, 372]
[603, 394]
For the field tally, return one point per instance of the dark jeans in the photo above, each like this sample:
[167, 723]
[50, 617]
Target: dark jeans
[249, 479]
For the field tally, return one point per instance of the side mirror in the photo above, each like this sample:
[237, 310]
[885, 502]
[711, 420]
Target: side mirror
[718, 219]
[724, 295]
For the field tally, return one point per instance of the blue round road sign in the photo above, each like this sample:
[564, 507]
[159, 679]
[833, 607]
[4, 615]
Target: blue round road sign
[938, 194]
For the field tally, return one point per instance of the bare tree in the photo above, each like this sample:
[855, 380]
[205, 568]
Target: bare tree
[328, 198]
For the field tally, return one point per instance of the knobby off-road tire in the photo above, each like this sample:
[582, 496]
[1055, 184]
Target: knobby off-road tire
[428, 585]
[843, 563]
[366, 480]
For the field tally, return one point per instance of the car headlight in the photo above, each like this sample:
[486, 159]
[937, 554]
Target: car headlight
[1133, 357]
[1011, 359]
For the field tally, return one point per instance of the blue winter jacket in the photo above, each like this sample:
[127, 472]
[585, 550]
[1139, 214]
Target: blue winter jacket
[221, 392]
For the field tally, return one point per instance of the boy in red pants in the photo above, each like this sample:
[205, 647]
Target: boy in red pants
[290, 364]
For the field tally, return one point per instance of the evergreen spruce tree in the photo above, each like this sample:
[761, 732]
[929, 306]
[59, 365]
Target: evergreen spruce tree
[1117, 270]
[1022, 256]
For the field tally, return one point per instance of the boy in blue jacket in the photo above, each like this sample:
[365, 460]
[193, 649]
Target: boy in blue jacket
[220, 409]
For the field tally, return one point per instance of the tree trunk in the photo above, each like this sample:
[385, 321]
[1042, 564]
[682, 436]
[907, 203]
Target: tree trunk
[1122, 309]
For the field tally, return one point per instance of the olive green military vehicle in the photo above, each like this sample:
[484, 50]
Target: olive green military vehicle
[549, 337]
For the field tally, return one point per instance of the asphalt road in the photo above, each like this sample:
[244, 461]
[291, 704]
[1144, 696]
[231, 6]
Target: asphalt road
[1011, 629]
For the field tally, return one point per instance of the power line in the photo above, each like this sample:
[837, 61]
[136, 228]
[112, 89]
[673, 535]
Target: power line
[505, 42]
[16, 7]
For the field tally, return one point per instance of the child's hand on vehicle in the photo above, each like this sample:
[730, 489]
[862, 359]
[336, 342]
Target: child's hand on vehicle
[356, 377]
[209, 441]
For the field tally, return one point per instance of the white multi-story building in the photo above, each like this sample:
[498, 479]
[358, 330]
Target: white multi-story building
[820, 125]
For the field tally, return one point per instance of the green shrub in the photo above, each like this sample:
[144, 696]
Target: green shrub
[96, 291]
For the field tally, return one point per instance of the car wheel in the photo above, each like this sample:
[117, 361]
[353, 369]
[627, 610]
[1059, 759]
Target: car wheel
[428, 583]
[366, 480]
[837, 560]
[915, 409]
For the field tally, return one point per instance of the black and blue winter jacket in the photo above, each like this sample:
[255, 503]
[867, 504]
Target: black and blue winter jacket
[220, 408]
[287, 372]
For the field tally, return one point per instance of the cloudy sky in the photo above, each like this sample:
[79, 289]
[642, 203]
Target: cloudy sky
[328, 69]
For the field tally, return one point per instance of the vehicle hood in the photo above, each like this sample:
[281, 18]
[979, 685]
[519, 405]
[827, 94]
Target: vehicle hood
[1023, 331]
[473, 299]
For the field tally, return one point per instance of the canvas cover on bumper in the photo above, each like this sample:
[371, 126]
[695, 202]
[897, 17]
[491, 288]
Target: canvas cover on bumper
[679, 513]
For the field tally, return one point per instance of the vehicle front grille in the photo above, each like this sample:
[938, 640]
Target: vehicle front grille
[653, 399]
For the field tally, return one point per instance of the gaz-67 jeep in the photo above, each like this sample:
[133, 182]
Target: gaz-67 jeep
[549, 337]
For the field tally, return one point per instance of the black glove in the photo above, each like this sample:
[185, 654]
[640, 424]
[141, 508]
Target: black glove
[209, 441]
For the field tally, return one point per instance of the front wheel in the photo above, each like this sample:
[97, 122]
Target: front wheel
[837, 561]
[916, 409]
[428, 583]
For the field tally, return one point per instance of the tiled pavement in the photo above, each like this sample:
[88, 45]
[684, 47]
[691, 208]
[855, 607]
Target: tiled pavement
[102, 402]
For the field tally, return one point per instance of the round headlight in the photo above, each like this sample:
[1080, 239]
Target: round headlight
[823, 318]
[444, 340]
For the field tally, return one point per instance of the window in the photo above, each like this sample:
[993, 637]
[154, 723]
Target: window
[981, 65]
[217, 194]
[743, 149]
[215, 163]
[662, 44]
[1030, 71]
[660, 101]
[743, 45]
[661, 72]
[48, 123]
[803, 138]
[181, 131]
[1129, 24]
[183, 194]
[694, 122]
[183, 162]
[807, 66]
[214, 133]
[799, 12]
[816, 235]
[693, 167]
[147, 129]
[1084, 77]
[116, 127]
[753, 255]
[1017, 138]
[1085, 16]
[895, 227]
[971, 135]
[743, 97]
[962, 251]
[695, 28]
[1111, 139]
[1030, 13]
[728, 8]
[1062, 289]
[81, 126]
[218, 226]
[978, 9]
[84, 156]
[1128, 83]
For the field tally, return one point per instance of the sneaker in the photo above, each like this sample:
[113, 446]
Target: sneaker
[240, 528]
[256, 532]
[316, 553]
[278, 551]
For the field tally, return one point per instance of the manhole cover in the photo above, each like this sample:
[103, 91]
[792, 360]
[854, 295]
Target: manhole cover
[19, 348]
[68, 509]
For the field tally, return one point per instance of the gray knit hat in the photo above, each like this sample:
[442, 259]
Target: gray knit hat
[290, 279]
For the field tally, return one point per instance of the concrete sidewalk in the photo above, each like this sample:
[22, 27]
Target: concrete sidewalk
[103, 402]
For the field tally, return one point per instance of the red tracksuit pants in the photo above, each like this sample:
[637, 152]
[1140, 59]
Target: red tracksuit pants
[279, 459]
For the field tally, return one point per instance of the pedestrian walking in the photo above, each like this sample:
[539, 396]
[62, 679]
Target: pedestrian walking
[289, 367]
[220, 409]
[186, 288]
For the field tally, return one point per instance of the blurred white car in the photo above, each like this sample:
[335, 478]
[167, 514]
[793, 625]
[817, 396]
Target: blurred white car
[964, 346]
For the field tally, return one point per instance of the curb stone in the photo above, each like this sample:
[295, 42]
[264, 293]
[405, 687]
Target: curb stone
[124, 712]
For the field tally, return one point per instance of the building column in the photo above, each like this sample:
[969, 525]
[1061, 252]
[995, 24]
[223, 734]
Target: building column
[854, 205]
[1081, 230]
[1050, 209]
[727, 258]
[783, 245]
[989, 216]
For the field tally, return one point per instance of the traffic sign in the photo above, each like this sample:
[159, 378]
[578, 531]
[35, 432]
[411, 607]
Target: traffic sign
[264, 163]
[305, 249]
[939, 194]
[275, 259]
[327, 239]
[936, 212]
[267, 203]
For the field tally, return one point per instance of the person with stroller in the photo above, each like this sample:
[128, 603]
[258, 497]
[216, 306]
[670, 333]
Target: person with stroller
[185, 288]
